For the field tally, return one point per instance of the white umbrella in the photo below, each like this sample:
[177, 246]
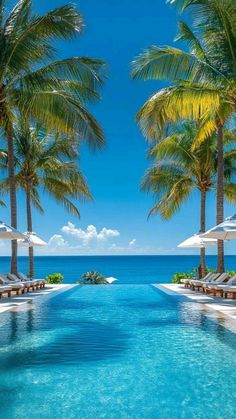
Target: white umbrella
[31, 240]
[197, 241]
[9, 232]
[111, 279]
[223, 231]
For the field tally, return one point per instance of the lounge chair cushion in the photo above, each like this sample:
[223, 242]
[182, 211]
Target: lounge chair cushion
[3, 279]
[228, 288]
[219, 280]
[5, 288]
[230, 282]
[17, 286]
[13, 277]
[22, 276]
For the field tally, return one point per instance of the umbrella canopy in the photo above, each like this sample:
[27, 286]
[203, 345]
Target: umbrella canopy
[9, 232]
[110, 279]
[223, 231]
[197, 241]
[31, 240]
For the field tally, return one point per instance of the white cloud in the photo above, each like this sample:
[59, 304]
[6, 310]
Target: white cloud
[92, 241]
[91, 234]
[57, 241]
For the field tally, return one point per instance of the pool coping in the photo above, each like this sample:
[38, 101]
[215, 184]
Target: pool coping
[216, 307]
[21, 301]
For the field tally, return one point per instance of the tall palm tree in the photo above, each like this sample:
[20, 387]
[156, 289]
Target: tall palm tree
[204, 80]
[178, 170]
[47, 163]
[33, 83]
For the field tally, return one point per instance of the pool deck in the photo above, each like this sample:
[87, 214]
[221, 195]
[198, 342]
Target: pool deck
[224, 307]
[16, 302]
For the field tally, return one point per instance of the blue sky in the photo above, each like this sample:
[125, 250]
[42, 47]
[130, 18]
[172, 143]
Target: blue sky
[117, 32]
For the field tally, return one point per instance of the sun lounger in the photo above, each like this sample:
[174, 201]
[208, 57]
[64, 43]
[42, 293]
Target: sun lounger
[40, 282]
[230, 291]
[17, 287]
[198, 284]
[27, 284]
[211, 276]
[211, 287]
[218, 289]
[187, 281]
[5, 290]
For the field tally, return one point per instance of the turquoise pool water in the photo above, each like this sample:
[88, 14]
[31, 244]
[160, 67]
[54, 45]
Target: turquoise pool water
[124, 351]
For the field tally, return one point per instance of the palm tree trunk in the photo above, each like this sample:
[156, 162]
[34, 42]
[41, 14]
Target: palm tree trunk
[12, 189]
[29, 229]
[203, 229]
[220, 194]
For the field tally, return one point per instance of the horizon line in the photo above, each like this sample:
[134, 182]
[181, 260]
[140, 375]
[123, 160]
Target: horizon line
[134, 255]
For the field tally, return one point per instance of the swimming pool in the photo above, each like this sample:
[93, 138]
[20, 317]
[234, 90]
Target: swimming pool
[116, 352]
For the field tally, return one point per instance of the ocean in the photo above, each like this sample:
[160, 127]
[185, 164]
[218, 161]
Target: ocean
[127, 269]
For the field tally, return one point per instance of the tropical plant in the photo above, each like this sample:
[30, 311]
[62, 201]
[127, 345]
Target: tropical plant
[46, 162]
[204, 80]
[93, 278]
[55, 278]
[178, 170]
[176, 278]
[34, 84]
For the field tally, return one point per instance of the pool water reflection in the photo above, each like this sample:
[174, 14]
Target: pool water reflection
[116, 352]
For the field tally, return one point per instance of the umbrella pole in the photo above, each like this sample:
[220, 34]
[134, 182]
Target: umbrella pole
[203, 261]
[31, 262]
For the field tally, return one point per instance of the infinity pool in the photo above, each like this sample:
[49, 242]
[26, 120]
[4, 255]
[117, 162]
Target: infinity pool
[116, 352]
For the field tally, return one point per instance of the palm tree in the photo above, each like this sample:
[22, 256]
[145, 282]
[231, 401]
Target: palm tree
[46, 163]
[178, 170]
[204, 80]
[36, 85]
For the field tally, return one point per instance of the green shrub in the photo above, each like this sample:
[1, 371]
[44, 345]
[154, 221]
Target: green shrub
[93, 278]
[55, 278]
[179, 275]
[231, 273]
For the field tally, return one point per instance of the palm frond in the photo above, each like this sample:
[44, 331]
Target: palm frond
[177, 103]
[215, 22]
[1, 11]
[169, 63]
[172, 201]
[18, 16]
[206, 129]
[70, 207]
[230, 192]
[80, 70]
[61, 112]
[174, 147]
[186, 34]
[35, 199]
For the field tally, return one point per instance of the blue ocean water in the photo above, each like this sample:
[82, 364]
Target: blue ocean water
[118, 352]
[127, 269]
